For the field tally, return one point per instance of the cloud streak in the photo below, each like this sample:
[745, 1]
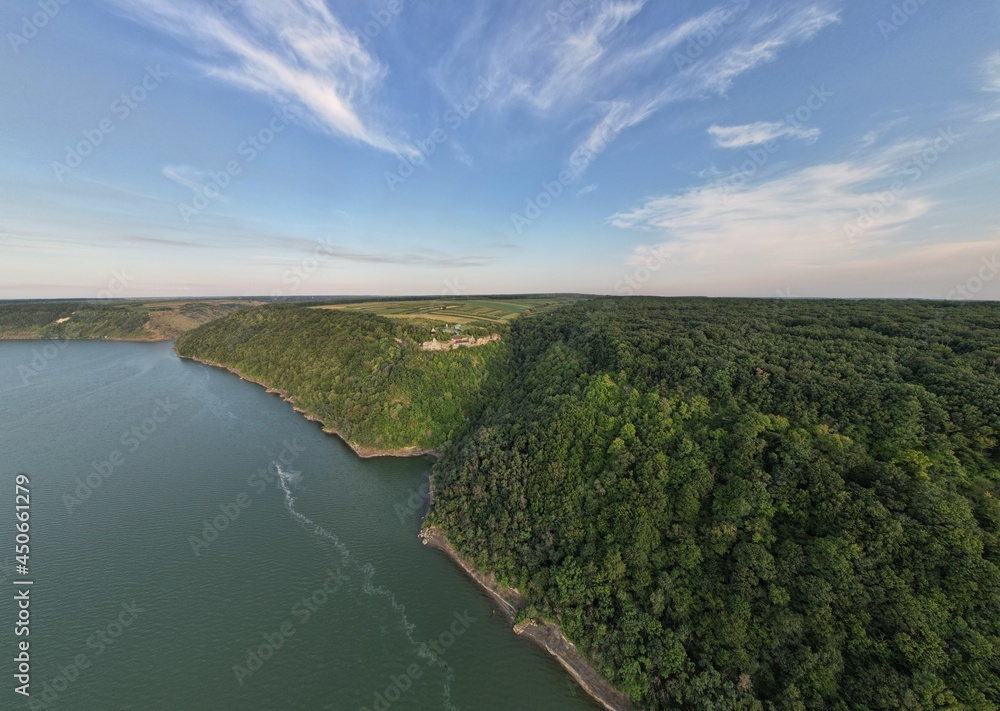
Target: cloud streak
[285, 50]
[602, 67]
[992, 71]
[721, 55]
[757, 134]
[785, 225]
[579, 53]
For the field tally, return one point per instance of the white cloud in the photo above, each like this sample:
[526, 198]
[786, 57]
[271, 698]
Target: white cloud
[582, 50]
[756, 134]
[543, 60]
[287, 50]
[186, 175]
[760, 43]
[618, 117]
[738, 51]
[876, 135]
[604, 66]
[785, 225]
[992, 71]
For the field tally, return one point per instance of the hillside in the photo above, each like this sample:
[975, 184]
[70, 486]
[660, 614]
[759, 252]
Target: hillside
[361, 375]
[155, 320]
[726, 504]
[749, 505]
[477, 317]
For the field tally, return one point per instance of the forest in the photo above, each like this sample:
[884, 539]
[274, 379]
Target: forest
[726, 504]
[71, 319]
[360, 374]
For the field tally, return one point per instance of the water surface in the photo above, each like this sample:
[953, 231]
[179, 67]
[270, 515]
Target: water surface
[196, 544]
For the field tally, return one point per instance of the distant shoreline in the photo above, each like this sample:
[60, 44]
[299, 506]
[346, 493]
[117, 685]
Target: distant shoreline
[101, 339]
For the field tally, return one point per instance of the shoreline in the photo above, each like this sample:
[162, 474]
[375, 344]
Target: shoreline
[547, 636]
[359, 450]
[103, 339]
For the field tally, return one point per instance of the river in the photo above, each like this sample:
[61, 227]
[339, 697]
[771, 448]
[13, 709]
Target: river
[196, 544]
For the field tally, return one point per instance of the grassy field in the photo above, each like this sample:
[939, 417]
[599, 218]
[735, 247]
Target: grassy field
[475, 313]
[166, 319]
[169, 319]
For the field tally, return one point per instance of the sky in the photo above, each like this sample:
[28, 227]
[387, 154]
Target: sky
[815, 148]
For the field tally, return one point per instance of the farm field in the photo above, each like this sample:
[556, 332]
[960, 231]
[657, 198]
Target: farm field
[169, 319]
[483, 313]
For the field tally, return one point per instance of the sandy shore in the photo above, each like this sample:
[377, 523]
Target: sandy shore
[360, 450]
[547, 636]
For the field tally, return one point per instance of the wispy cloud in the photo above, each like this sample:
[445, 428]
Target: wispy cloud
[991, 76]
[619, 116]
[547, 60]
[730, 54]
[552, 57]
[423, 257]
[286, 50]
[788, 223]
[879, 132]
[991, 68]
[186, 175]
[579, 53]
[756, 134]
[603, 67]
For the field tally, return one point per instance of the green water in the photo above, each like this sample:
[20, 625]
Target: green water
[309, 591]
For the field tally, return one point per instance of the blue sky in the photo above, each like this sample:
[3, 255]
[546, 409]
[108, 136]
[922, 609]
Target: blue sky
[740, 147]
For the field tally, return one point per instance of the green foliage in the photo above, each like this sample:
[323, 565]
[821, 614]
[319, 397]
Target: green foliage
[80, 320]
[109, 319]
[476, 317]
[748, 504]
[361, 374]
[727, 504]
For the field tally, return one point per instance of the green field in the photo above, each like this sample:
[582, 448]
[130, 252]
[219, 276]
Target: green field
[166, 319]
[483, 313]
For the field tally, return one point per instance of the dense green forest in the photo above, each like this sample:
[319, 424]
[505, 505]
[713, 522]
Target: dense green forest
[363, 375]
[727, 504]
[747, 504]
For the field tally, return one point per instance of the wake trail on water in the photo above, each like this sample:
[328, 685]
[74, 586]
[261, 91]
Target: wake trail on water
[288, 479]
